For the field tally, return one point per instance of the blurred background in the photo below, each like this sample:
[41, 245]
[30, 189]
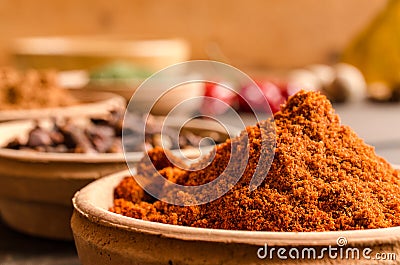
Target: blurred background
[258, 37]
[248, 34]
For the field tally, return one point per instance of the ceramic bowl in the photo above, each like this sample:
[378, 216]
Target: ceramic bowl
[89, 103]
[36, 188]
[83, 52]
[127, 87]
[164, 105]
[103, 237]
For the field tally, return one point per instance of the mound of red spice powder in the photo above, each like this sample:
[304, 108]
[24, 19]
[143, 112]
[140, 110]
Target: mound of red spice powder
[323, 178]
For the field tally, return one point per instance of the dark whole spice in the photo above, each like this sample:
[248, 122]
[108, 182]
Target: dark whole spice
[103, 135]
[323, 178]
[39, 137]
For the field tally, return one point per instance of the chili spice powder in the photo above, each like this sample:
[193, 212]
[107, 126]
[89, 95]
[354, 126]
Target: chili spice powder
[323, 178]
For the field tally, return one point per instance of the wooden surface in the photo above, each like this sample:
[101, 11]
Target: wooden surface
[249, 34]
[20, 249]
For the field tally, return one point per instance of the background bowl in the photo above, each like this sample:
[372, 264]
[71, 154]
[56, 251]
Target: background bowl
[71, 53]
[103, 237]
[126, 87]
[170, 99]
[91, 103]
[36, 188]
[163, 106]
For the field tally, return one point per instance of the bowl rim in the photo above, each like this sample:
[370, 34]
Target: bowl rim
[84, 205]
[81, 45]
[31, 156]
[104, 102]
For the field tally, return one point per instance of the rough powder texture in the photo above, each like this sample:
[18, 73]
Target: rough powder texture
[32, 89]
[323, 178]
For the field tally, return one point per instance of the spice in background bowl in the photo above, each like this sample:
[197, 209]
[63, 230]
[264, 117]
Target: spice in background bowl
[323, 178]
[32, 89]
[103, 135]
[38, 94]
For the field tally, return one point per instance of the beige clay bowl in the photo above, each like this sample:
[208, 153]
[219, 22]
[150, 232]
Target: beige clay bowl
[90, 103]
[107, 238]
[83, 52]
[163, 106]
[36, 188]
